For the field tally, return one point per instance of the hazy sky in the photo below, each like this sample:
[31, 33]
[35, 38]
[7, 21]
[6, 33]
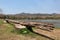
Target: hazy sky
[32, 6]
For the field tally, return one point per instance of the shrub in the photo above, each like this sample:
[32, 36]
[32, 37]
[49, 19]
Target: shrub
[22, 31]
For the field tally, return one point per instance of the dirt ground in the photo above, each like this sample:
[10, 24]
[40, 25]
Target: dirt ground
[55, 34]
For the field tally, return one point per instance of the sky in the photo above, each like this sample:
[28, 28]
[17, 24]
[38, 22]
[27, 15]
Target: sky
[30, 6]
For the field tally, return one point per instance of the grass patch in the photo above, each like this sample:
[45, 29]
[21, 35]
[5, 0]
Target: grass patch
[23, 31]
[9, 28]
[20, 31]
[1, 22]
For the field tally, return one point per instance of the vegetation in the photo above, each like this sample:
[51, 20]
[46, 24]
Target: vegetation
[30, 16]
[1, 22]
[6, 33]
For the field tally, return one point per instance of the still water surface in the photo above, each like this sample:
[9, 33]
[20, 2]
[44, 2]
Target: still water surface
[55, 22]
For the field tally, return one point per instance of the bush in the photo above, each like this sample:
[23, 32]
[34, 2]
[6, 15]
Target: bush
[22, 31]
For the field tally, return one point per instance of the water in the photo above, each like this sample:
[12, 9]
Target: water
[55, 22]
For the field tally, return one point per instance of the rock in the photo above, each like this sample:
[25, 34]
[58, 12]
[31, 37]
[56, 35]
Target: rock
[4, 21]
[19, 26]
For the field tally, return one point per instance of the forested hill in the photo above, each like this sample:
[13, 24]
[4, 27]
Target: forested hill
[30, 16]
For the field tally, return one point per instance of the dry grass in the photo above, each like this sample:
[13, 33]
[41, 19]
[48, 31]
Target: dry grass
[6, 34]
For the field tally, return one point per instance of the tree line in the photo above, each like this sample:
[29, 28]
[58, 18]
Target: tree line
[30, 16]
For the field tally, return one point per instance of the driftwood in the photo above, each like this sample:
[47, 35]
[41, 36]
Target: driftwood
[43, 26]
